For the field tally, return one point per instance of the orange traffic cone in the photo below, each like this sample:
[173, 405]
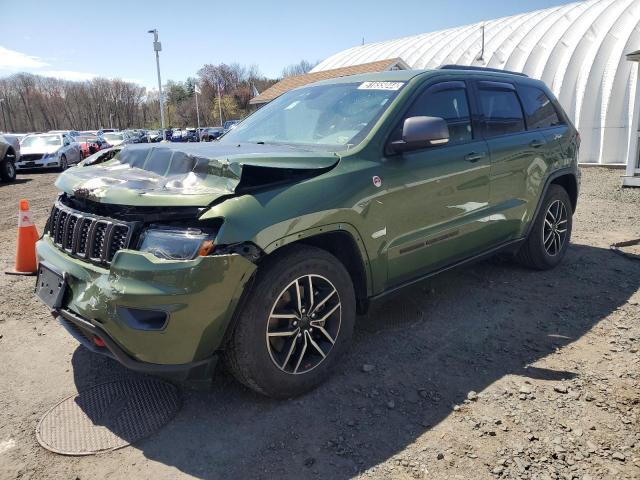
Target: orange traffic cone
[26, 245]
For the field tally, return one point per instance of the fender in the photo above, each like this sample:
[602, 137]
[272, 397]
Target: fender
[323, 229]
[556, 174]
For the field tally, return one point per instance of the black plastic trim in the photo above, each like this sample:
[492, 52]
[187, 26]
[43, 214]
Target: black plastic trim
[433, 273]
[193, 370]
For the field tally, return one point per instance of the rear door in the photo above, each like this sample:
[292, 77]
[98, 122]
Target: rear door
[517, 158]
[435, 195]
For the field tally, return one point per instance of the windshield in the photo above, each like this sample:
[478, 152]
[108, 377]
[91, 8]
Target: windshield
[42, 141]
[113, 136]
[333, 115]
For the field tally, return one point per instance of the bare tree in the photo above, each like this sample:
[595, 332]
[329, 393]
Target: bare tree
[300, 68]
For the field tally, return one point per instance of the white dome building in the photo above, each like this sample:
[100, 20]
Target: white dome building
[579, 50]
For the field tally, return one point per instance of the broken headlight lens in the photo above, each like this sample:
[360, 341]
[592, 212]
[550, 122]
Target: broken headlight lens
[176, 243]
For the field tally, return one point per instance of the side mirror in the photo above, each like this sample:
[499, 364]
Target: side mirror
[421, 132]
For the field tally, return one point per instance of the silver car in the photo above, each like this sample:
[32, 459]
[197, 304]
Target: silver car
[48, 150]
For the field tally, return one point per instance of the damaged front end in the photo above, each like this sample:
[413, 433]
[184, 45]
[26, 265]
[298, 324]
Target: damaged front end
[145, 281]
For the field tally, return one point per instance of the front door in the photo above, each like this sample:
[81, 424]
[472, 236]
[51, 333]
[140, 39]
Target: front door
[435, 197]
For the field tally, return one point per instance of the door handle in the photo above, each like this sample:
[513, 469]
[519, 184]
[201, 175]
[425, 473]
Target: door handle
[536, 143]
[474, 156]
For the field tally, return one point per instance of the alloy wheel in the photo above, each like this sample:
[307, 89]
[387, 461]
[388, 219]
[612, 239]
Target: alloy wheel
[303, 324]
[554, 233]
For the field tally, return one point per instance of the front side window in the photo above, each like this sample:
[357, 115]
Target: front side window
[502, 112]
[332, 116]
[449, 104]
[538, 108]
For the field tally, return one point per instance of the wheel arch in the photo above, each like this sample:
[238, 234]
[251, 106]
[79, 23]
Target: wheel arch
[569, 182]
[9, 152]
[343, 242]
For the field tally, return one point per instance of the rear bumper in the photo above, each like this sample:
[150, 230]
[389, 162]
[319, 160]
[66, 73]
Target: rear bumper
[85, 332]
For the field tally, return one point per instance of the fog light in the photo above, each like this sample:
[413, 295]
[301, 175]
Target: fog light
[142, 319]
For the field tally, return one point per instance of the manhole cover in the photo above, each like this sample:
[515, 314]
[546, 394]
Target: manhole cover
[108, 416]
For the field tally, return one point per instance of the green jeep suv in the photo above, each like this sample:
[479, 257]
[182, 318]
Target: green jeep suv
[261, 248]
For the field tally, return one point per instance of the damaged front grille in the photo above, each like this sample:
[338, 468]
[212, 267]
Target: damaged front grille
[86, 236]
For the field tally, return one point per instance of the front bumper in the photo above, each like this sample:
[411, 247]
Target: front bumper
[86, 333]
[199, 297]
[42, 163]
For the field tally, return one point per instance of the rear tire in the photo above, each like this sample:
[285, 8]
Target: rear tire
[7, 170]
[549, 237]
[295, 325]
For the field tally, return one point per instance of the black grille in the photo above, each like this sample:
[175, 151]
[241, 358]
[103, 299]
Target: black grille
[30, 157]
[88, 236]
[118, 240]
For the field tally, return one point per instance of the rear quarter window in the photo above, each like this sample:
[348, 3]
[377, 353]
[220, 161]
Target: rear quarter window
[538, 108]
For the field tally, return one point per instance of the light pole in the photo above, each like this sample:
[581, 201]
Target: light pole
[157, 47]
[196, 91]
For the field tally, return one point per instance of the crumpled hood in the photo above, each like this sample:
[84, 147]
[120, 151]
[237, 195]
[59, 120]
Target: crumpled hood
[191, 174]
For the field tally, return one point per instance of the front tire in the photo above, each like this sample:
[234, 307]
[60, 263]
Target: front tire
[63, 163]
[295, 325]
[549, 237]
[7, 170]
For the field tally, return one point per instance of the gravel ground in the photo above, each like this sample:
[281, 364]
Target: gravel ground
[488, 371]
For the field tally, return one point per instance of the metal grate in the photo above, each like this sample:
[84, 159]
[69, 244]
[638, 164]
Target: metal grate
[88, 236]
[108, 416]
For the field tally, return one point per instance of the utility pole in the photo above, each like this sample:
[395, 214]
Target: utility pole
[157, 47]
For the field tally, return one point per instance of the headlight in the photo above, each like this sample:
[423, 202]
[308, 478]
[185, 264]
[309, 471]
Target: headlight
[49, 155]
[176, 243]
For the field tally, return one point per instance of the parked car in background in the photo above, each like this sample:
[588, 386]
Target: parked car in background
[154, 136]
[72, 133]
[177, 135]
[102, 131]
[9, 155]
[190, 135]
[210, 134]
[47, 150]
[90, 144]
[229, 124]
[118, 138]
[18, 136]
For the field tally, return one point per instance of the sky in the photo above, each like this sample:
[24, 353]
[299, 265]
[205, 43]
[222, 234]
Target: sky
[79, 40]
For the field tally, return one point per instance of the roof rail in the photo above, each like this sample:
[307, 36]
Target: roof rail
[480, 69]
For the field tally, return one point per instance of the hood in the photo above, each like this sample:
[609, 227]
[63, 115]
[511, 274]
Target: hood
[191, 174]
[39, 149]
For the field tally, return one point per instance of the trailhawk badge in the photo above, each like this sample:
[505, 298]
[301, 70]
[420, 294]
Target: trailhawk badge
[377, 181]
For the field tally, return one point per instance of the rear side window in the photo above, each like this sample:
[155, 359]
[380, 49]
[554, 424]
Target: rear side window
[502, 112]
[538, 108]
[450, 104]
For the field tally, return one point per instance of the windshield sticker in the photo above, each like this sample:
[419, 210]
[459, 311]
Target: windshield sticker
[380, 86]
